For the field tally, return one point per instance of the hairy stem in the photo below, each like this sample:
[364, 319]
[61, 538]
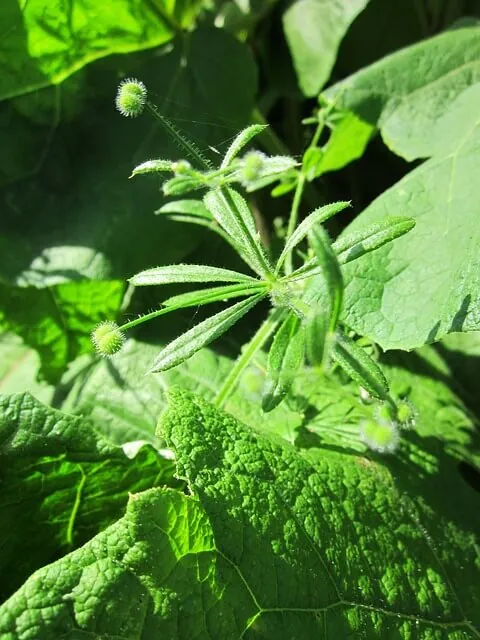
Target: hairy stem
[180, 139]
[248, 353]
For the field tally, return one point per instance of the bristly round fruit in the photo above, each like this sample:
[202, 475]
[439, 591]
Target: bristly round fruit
[381, 436]
[107, 338]
[131, 97]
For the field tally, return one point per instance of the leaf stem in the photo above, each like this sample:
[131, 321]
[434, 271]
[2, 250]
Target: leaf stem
[145, 318]
[297, 197]
[181, 140]
[249, 352]
[293, 219]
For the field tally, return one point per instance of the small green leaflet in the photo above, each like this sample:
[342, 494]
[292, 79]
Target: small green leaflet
[355, 244]
[316, 336]
[360, 367]
[152, 166]
[240, 142]
[213, 294]
[202, 334]
[284, 359]
[316, 217]
[180, 185]
[187, 273]
[187, 207]
[331, 272]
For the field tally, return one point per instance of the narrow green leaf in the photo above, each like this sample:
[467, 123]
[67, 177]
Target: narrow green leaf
[316, 217]
[202, 334]
[187, 273]
[316, 336]
[331, 271]
[284, 359]
[241, 141]
[360, 366]
[213, 294]
[273, 168]
[233, 214]
[188, 207]
[355, 244]
[152, 166]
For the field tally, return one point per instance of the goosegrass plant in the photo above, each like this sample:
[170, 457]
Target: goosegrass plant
[303, 283]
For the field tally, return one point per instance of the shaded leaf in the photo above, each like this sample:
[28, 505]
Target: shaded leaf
[57, 321]
[314, 30]
[57, 476]
[255, 496]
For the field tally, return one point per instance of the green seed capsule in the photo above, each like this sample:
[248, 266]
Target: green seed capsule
[131, 97]
[107, 338]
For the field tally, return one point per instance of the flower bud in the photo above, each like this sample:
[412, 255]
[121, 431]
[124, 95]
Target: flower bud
[181, 167]
[107, 338]
[253, 163]
[131, 97]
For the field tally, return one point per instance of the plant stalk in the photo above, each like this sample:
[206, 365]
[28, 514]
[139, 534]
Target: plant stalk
[247, 355]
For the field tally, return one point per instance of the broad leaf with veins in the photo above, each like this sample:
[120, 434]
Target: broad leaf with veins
[281, 541]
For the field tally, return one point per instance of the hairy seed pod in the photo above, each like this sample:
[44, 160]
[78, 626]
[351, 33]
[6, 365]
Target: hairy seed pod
[406, 414]
[131, 97]
[380, 436]
[107, 338]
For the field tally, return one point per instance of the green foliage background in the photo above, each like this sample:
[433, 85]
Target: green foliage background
[279, 525]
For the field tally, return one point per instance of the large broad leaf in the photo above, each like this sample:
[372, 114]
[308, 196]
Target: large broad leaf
[426, 284]
[42, 45]
[405, 93]
[61, 484]
[67, 208]
[314, 30]
[279, 541]
[57, 321]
